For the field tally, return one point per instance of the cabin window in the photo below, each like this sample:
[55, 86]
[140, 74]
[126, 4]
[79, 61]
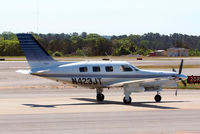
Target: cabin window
[96, 69]
[126, 68]
[83, 69]
[109, 69]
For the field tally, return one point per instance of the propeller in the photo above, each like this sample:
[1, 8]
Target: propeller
[180, 71]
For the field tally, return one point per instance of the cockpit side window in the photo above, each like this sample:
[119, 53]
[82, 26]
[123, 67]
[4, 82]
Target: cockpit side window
[83, 69]
[125, 68]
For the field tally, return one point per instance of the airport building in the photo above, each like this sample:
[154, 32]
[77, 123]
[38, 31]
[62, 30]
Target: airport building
[158, 53]
[171, 52]
[174, 52]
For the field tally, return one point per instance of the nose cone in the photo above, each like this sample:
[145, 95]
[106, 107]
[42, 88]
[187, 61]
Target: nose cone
[182, 76]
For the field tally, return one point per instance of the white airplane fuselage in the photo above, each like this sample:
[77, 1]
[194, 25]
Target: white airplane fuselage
[103, 74]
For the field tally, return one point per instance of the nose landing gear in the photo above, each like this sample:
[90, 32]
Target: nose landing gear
[127, 100]
[158, 97]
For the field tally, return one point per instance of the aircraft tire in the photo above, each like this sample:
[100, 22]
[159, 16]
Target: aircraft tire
[127, 102]
[100, 97]
[157, 98]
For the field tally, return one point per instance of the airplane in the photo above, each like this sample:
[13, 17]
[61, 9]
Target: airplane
[98, 74]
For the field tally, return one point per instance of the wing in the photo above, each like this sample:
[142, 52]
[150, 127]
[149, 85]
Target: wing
[151, 82]
[123, 83]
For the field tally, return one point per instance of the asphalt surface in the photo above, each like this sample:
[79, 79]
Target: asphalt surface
[33, 105]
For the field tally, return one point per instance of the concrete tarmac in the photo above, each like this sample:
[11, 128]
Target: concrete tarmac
[34, 105]
[74, 111]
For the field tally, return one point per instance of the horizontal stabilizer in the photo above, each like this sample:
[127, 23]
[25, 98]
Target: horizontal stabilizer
[23, 71]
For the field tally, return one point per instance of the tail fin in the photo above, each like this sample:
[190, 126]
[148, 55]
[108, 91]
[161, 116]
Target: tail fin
[35, 54]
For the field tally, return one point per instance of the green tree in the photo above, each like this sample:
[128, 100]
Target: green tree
[12, 48]
[144, 44]
[9, 36]
[57, 54]
[124, 47]
[97, 45]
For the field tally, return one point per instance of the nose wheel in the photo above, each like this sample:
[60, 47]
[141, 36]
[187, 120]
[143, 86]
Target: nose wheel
[127, 100]
[157, 98]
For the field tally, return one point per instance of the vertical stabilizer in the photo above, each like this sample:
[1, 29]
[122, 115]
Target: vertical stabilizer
[35, 54]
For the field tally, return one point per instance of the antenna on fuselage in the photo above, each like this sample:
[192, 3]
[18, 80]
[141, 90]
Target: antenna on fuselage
[83, 54]
[109, 58]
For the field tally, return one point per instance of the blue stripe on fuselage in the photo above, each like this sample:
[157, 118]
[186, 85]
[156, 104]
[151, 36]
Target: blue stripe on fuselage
[101, 76]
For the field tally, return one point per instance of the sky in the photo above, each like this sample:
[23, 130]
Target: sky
[104, 17]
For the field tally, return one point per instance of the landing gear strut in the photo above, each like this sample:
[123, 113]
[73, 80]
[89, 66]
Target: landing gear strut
[127, 99]
[100, 96]
[158, 97]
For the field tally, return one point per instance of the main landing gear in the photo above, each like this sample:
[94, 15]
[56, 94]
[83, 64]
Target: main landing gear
[158, 97]
[100, 96]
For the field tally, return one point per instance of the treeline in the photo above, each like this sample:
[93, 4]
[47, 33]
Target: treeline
[95, 45]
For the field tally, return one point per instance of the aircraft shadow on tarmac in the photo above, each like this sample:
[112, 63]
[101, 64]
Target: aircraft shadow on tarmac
[107, 102]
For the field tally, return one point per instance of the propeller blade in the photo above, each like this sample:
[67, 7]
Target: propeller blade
[184, 83]
[176, 92]
[180, 71]
[173, 70]
[181, 66]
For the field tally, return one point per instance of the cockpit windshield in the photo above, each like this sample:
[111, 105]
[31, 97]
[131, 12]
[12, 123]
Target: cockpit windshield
[126, 68]
[135, 68]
